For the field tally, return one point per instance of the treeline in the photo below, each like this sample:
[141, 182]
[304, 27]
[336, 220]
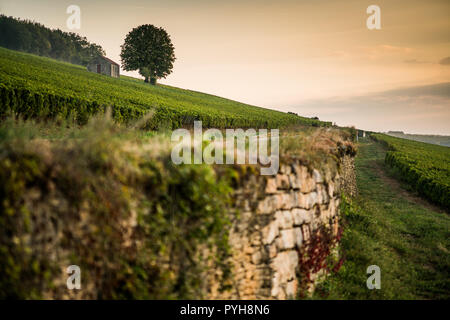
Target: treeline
[32, 37]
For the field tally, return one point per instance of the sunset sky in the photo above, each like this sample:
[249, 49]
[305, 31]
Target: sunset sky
[313, 57]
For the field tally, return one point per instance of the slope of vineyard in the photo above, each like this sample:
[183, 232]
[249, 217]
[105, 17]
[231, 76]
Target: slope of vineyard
[34, 86]
[426, 167]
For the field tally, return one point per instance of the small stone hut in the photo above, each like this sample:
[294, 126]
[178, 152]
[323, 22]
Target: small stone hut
[361, 133]
[105, 66]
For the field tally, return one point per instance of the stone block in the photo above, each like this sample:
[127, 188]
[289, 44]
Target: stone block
[294, 182]
[304, 180]
[271, 186]
[282, 181]
[322, 194]
[313, 199]
[286, 169]
[287, 239]
[279, 244]
[307, 201]
[268, 205]
[275, 285]
[331, 188]
[332, 208]
[317, 176]
[301, 216]
[291, 289]
[285, 264]
[272, 251]
[270, 232]
[285, 219]
[248, 249]
[298, 237]
[257, 257]
[287, 200]
[302, 200]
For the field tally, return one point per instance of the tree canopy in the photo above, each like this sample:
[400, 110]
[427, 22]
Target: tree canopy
[149, 50]
[32, 37]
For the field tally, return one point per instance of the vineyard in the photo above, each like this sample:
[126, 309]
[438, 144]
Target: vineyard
[423, 166]
[39, 87]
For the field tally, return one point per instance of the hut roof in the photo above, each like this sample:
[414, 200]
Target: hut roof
[109, 60]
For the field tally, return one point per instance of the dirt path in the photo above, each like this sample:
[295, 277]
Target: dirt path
[401, 189]
[392, 228]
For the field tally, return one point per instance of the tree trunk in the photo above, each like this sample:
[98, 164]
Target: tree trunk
[152, 80]
[146, 80]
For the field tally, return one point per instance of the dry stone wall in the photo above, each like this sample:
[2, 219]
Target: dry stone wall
[277, 217]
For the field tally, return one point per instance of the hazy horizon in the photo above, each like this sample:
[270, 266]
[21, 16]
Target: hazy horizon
[312, 58]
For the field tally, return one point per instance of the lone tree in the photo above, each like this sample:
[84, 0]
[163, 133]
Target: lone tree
[149, 50]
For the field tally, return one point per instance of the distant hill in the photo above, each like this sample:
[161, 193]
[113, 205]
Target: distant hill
[433, 139]
[35, 86]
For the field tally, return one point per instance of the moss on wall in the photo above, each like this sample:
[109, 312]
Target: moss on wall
[132, 220]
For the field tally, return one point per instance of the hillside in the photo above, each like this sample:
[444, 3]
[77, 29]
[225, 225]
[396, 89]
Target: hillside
[425, 167]
[35, 86]
[427, 138]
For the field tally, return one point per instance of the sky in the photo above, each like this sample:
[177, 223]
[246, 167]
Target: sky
[312, 57]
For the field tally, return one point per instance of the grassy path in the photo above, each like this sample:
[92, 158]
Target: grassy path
[388, 226]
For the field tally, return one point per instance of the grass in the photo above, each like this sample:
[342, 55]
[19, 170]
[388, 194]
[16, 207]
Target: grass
[425, 167]
[408, 240]
[46, 76]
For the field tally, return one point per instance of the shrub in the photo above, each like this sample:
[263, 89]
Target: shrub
[112, 203]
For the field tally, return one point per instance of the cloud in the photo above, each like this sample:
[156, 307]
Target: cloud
[445, 61]
[389, 48]
[384, 51]
[437, 90]
[420, 109]
[415, 61]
